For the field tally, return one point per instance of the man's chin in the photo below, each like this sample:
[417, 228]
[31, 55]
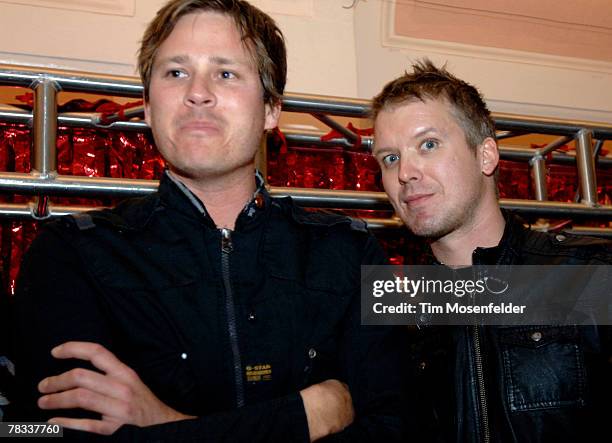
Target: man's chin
[425, 228]
[210, 170]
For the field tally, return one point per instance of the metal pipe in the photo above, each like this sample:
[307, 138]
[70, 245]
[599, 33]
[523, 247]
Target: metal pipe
[86, 120]
[323, 198]
[348, 134]
[25, 211]
[525, 154]
[29, 184]
[72, 81]
[327, 198]
[19, 211]
[131, 87]
[591, 231]
[550, 208]
[597, 150]
[304, 139]
[313, 104]
[507, 134]
[383, 223]
[45, 127]
[125, 115]
[586, 168]
[554, 145]
[540, 125]
[82, 120]
[11, 114]
[538, 171]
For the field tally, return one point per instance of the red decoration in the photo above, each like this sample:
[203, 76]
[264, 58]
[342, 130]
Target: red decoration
[127, 154]
[15, 148]
[82, 152]
[322, 168]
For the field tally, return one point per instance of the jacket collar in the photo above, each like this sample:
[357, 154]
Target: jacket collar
[506, 252]
[509, 247]
[176, 195]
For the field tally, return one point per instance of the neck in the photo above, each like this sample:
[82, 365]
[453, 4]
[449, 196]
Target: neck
[484, 230]
[224, 196]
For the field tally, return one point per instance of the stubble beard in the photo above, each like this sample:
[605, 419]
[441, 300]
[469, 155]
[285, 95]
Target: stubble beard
[451, 219]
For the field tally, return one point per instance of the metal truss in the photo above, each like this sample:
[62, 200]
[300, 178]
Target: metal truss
[44, 180]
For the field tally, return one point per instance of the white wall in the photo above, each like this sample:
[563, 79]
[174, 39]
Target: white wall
[512, 81]
[332, 51]
[319, 35]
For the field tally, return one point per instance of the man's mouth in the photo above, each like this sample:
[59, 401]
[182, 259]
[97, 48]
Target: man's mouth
[199, 126]
[415, 200]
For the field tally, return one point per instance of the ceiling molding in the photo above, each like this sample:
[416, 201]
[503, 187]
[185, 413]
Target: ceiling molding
[302, 8]
[391, 39]
[114, 7]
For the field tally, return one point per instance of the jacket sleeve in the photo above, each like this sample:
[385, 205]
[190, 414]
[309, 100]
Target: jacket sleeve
[278, 420]
[373, 361]
[57, 301]
[54, 302]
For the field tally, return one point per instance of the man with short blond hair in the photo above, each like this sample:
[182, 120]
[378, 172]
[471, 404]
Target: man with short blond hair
[435, 143]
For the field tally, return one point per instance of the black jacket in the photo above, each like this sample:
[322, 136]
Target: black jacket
[228, 327]
[516, 384]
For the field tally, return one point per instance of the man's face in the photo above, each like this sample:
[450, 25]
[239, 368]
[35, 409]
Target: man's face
[433, 178]
[205, 106]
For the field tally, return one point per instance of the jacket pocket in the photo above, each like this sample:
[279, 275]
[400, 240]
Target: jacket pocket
[295, 329]
[543, 367]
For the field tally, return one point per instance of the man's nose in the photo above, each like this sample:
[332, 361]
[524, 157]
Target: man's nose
[410, 169]
[200, 92]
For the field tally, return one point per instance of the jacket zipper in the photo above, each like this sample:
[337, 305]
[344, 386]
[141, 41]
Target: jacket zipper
[482, 394]
[226, 249]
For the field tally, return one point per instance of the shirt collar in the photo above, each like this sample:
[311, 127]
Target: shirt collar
[255, 203]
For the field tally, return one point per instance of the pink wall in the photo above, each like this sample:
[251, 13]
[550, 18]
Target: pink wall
[571, 28]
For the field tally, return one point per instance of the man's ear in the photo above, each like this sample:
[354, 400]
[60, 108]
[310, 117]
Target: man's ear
[489, 156]
[272, 114]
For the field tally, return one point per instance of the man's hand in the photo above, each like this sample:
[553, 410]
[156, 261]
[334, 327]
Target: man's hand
[118, 394]
[329, 408]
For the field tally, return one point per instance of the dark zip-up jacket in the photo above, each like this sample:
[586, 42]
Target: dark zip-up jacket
[520, 384]
[225, 325]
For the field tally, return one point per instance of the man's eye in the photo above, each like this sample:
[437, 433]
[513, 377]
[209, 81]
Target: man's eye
[428, 145]
[389, 160]
[176, 73]
[227, 75]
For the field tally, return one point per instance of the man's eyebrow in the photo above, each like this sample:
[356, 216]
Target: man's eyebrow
[178, 59]
[376, 150]
[424, 131]
[219, 60]
[421, 133]
[216, 59]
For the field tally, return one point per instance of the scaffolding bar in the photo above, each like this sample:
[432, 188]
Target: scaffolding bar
[70, 185]
[538, 172]
[45, 127]
[554, 145]
[586, 168]
[131, 87]
[348, 134]
[318, 198]
[72, 81]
